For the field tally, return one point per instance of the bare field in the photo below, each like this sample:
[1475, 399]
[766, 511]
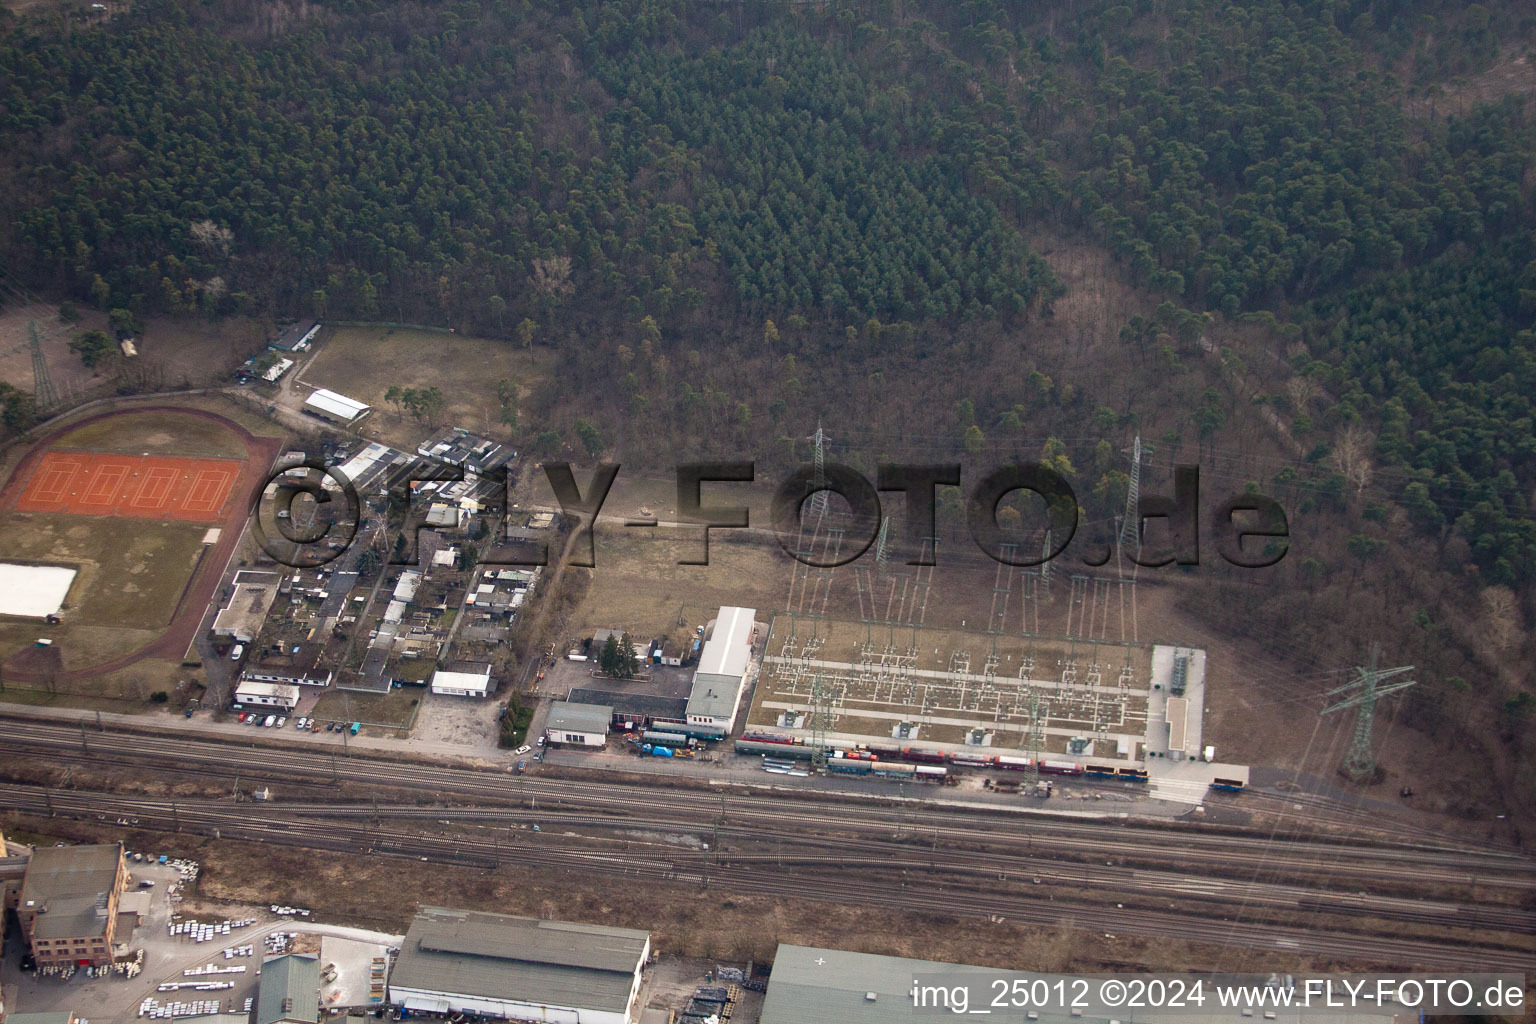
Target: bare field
[638, 586]
[142, 433]
[365, 362]
[387, 709]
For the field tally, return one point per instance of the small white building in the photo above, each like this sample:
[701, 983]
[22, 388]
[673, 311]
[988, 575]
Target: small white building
[267, 695]
[580, 725]
[463, 679]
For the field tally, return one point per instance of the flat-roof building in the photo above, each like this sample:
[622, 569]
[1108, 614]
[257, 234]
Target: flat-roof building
[335, 408]
[296, 336]
[458, 447]
[810, 985]
[581, 725]
[463, 679]
[289, 991]
[242, 619]
[523, 968]
[69, 903]
[277, 696]
[634, 709]
[721, 677]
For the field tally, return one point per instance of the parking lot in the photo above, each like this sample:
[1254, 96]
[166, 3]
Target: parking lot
[168, 957]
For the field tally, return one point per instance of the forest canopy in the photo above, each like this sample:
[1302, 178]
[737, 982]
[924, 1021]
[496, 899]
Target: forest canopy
[876, 171]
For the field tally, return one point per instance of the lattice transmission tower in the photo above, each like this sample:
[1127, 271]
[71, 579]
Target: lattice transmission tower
[1363, 693]
[44, 395]
[819, 499]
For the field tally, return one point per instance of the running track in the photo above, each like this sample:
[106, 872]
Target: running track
[173, 643]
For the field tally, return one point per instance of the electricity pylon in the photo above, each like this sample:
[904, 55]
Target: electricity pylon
[1364, 691]
[44, 395]
[821, 720]
[819, 499]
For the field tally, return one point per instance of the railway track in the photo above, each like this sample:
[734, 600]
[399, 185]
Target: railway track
[1419, 863]
[745, 845]
[757, 875]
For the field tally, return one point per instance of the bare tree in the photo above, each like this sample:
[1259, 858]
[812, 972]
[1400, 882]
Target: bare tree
[552, 276]
[1501, 617]
[212, 237]
[1352, 456]
[1301, 391]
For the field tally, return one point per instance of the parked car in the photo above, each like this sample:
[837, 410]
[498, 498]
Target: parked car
[239, 649]
[520, 751]
[243, 716]
[282, 720]
[522, 766]
[270, 720]
[299, 724]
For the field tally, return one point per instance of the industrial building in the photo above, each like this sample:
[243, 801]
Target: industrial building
[289, 990]
[68, 906]
[580, 725]
[334, 408]
[242, 619]
[278, 696]
[523, 968]
[295, 337]
[833, 986]
[635, 710]
[458, 447]
[463, 679]
[721, 677]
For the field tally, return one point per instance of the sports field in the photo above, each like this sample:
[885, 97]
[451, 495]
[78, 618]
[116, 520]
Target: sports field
[126, 499]
[140, 487]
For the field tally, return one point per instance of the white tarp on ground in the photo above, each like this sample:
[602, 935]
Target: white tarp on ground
[34, 591]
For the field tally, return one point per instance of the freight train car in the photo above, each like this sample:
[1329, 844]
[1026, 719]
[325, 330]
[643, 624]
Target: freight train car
[1230, 785]
[1099, 771]
[923, 756]
[973, 760]
[929, 772]
[665, 739]
[762, 737]
[789, 751]
[1014, 764]
[1061, 768]
[1131, 774]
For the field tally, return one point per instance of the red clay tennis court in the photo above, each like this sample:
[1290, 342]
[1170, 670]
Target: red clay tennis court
[135, 486]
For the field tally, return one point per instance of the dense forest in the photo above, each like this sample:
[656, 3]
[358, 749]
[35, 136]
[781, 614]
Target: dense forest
[732, 218]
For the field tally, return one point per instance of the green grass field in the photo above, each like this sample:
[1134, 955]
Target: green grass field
[131, 573]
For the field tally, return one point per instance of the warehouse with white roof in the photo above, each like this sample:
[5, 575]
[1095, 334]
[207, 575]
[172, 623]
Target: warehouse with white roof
[522, 968]
[721, 677]
[333, 408]
[463, 679]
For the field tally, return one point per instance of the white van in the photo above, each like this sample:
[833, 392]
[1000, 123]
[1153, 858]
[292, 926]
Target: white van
[268, 723]
[234, 655]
